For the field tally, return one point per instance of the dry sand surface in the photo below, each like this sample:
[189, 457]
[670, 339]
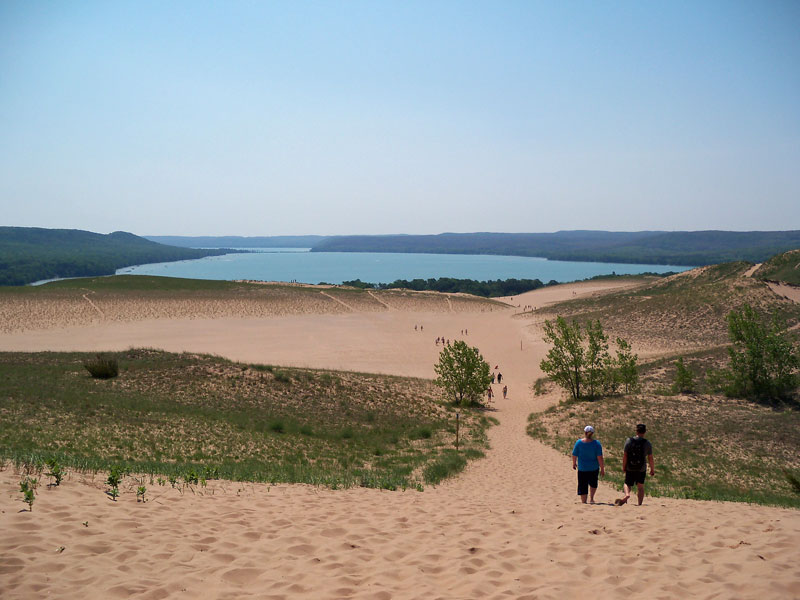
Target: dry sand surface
[509, 527]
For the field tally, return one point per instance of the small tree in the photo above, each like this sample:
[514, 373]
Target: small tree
[626, 366]
[564, 361]
[596, 359]
[762, 357]
[684, 378]
[463, 374]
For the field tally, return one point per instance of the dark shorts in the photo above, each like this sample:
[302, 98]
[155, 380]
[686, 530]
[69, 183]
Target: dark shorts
[634, 477]
[587, 479]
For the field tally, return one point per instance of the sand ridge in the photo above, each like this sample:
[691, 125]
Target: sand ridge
[509, 527]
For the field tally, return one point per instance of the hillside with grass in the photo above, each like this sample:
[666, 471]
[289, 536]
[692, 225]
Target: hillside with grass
[186, 416]
[783, 268]
[706, 447]
[685, 311]
[29, 254]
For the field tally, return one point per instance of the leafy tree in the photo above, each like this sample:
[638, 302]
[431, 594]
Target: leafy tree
[463, 374]
[596, 359]
[564, 361]
[762, 357]
[587, 369]
[626, 368]
[684, 378]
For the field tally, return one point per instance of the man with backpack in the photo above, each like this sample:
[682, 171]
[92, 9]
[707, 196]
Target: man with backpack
[636, 455]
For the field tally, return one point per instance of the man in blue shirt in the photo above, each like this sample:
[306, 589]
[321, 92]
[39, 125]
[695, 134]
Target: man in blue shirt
[587, 458]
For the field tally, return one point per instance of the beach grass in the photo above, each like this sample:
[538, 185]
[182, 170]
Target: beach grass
[705, 447]
[177, 414]
[686, 310]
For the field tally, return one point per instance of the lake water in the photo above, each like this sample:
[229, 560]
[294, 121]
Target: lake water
[292, 264]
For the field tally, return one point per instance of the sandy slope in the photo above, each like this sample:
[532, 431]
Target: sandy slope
[509, 527]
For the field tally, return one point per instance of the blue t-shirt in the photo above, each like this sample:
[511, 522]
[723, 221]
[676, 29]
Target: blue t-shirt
[587, 453]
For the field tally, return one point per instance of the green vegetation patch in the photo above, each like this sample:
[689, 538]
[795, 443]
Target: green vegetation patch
[173, 414]
[687, 310]
[705, 447]
[784, 268]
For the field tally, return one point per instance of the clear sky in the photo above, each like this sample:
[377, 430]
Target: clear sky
[271, 118]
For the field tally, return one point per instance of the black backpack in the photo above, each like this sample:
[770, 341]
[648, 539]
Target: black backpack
[636, 454]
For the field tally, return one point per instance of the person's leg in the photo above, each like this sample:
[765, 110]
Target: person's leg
[640, 492]
[583, 485]
[627, 487]
[593, 485]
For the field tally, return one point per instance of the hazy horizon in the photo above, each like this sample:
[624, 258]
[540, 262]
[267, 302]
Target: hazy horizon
[363, 118]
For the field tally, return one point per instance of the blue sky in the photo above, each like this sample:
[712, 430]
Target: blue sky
[270, 118]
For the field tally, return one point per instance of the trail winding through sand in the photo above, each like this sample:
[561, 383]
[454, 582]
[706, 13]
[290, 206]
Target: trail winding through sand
[509, 527]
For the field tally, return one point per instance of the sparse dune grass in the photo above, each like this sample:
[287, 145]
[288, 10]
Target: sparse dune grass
[685, 311]
[172, 414]
[705, 447]
[126, 298]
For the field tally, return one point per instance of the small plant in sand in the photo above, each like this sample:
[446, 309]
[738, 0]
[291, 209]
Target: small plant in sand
[161, 481]
[56, 471]
[102, 367]
[210, 472]
[28, 488]
[463, 374]
[140, 492]
[173, 481]
[113, 481]
[191, 477]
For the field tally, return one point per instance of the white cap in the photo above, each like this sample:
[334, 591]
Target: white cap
[588, 428]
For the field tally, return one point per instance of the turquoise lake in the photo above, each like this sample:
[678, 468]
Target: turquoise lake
[292, 264]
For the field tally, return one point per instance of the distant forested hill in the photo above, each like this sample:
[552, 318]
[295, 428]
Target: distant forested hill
[690, 248]
[29, 254]
[236, 241]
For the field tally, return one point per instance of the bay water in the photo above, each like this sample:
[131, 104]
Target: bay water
[301, 265]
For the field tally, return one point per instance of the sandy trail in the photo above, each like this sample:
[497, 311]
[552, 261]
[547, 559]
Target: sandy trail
[509, 527]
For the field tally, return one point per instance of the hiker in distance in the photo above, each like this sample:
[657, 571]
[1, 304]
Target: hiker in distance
[636, 455]
[587, 458]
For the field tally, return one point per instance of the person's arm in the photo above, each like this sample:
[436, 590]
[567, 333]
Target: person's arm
[624, 461]
[602, 465]
[575, 455]
[652, 464]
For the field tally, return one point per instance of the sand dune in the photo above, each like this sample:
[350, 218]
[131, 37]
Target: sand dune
[509, 527]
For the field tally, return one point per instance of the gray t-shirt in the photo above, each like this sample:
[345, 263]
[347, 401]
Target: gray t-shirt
[648, 450]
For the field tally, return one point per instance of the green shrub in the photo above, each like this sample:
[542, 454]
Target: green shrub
[684, 378]
[102, 367]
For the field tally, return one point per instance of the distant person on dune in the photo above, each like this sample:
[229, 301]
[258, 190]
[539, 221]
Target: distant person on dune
[636, 455]
[587, 459]
[505, 391]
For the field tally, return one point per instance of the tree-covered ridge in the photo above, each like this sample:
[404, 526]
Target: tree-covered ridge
[486, 289]
[783, 267]
[29, 254]
[689, 248]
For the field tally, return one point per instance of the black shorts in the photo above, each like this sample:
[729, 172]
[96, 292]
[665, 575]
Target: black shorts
[633, 477]
[587, 479]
